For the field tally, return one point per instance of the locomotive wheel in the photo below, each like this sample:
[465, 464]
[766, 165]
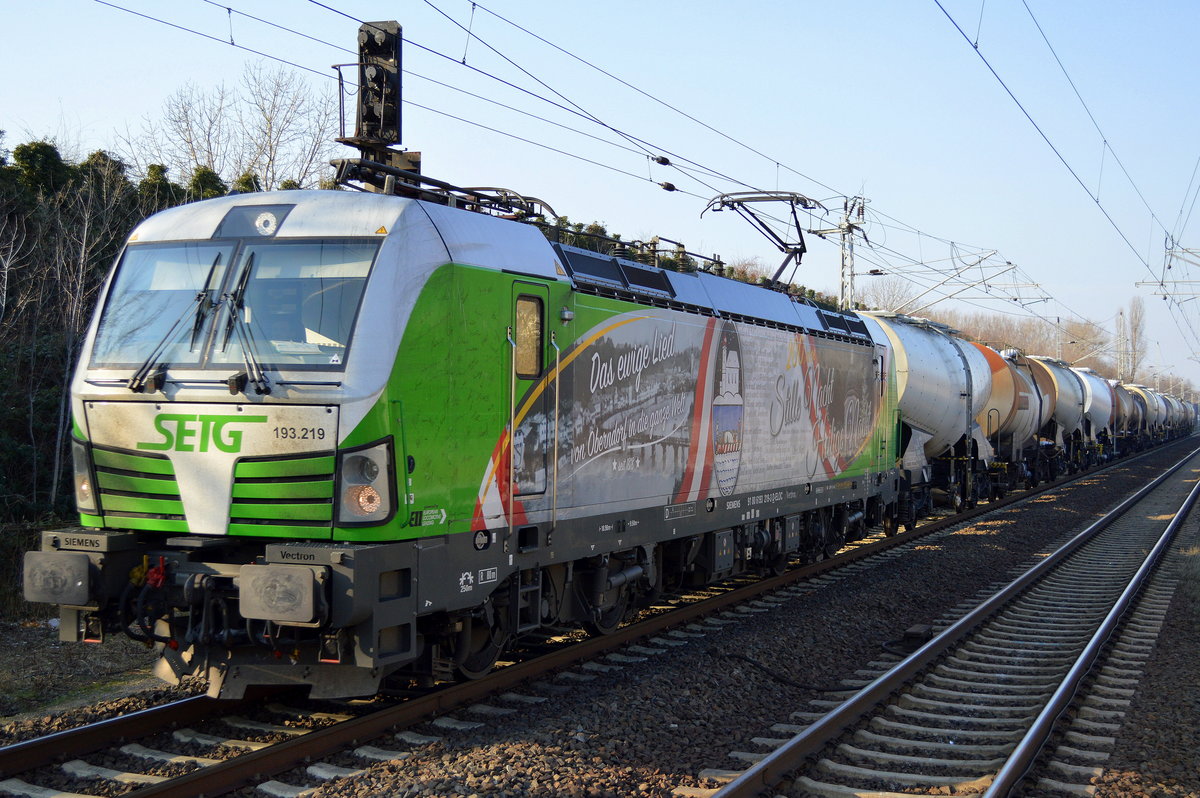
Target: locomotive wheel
[891, 523]
[837, 535]
[609, 617]
[484, 644]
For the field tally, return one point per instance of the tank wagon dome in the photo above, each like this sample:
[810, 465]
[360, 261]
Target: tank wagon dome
[1011, 415]
[1099, 402]
[935, 374]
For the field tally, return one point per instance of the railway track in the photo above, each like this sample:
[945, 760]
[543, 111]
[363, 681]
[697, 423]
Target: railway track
[225, 758]
[1035, 665]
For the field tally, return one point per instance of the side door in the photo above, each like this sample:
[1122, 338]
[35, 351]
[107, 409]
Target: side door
[531, 399]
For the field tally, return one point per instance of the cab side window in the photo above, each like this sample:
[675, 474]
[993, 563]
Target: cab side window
[528, 337]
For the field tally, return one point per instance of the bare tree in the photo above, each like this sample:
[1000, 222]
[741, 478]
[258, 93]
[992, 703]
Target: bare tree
[287, 128]
[274, 126]
[88, 224]
[198, 128]
[1135, 321]
[14, 246]
[887, 293]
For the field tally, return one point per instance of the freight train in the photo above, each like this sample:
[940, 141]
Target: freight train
[332, 439]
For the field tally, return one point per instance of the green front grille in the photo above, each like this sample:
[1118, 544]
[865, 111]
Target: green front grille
[283, 497]
[272, 497]
[138, 491]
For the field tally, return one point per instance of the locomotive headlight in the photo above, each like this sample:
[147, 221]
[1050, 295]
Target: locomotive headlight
[85, 498]
[363, 500]
[360, 469]
[365, 479]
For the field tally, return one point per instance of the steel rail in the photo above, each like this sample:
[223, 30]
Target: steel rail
[1031, 745]
[29, 754]
[772, 769]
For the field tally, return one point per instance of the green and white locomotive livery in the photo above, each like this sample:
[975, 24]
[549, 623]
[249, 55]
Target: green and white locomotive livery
[324, 438]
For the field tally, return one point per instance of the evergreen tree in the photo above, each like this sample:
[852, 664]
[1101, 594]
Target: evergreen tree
[156, 191]
[206, 184]
[247, 183]
[40, 167]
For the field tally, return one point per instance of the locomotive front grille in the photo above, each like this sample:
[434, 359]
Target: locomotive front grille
[137, 491]
[282, 497]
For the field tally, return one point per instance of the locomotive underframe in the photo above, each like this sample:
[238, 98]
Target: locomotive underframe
[411, 609]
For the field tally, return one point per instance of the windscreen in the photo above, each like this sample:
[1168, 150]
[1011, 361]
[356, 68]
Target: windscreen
[155, 300]
[298, 303]
[296, 300]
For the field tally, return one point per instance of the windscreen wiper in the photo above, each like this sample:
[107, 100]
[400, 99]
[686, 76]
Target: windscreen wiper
[146, 376]
[204, 309]
[238, 325]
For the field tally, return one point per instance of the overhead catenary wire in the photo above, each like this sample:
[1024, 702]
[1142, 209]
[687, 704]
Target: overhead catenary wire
[580, 112]
[1046, 139]
[215, 39]
[702, 174]
[1104, 138]
[740, 143]
[1104, 211]
[406, 102]
[424, 107]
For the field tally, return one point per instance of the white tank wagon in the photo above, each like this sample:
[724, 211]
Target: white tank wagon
[1176, 415]
[941, 384]
[1064, 430]
[1128, 411]
[1099, 410]
[1154, 413]
[1055, 379]
[1125, 411]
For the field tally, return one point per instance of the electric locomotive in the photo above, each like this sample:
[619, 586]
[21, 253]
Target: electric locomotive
[329, 438]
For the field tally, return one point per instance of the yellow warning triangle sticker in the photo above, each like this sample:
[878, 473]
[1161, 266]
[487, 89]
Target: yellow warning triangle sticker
[133, 237]
[381, 231]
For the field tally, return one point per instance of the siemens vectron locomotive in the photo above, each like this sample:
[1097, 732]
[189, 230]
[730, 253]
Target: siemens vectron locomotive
[329, 438]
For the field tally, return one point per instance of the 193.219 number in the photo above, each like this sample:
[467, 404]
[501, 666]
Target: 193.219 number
[300, 433]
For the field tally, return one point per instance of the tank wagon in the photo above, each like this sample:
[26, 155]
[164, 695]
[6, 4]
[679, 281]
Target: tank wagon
[1014, 413]
[1099, 412]
[1154, 419]
[326, 438]
[941, 384]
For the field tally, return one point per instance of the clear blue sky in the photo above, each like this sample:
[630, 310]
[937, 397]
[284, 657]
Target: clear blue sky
[879, 97]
